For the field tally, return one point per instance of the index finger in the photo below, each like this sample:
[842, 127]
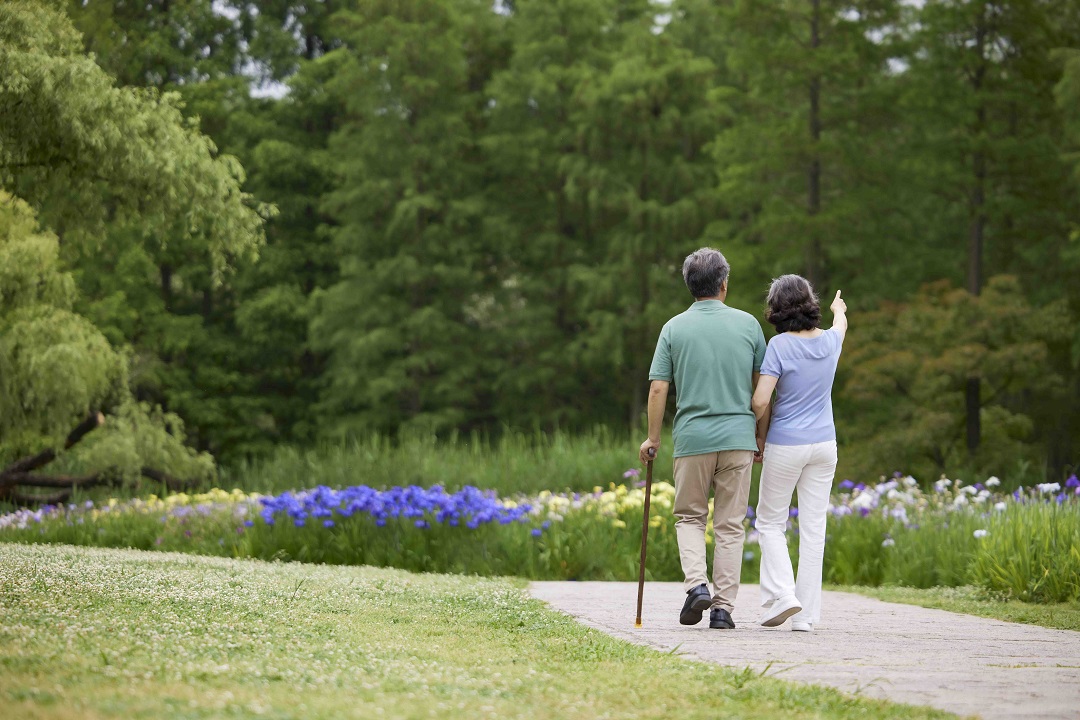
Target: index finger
[837, 294]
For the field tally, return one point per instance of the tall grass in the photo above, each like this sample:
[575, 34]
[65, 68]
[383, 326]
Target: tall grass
[513, 463]
[1029, 552]
[1032, 554]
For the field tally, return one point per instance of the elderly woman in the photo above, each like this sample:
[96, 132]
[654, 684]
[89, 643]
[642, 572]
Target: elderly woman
[800, 448]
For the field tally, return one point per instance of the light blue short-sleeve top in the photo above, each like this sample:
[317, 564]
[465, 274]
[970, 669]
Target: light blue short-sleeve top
[805, 368]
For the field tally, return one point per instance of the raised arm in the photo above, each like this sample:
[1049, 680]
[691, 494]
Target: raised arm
[839, 308]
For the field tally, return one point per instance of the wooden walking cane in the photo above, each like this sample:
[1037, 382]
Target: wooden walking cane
[644, 535]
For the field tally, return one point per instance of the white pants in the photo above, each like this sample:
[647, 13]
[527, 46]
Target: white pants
[810, 469]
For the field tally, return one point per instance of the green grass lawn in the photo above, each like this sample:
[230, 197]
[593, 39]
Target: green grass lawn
[974, 601]
[94, 633]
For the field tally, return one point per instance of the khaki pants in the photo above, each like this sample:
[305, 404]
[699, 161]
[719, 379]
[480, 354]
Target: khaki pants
[727, 473]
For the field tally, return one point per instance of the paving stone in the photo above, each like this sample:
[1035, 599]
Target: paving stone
[959, 663]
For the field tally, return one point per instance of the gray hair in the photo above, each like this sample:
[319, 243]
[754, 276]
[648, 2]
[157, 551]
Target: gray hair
[705, 271]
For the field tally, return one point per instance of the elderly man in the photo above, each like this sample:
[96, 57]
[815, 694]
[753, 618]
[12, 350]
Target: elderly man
[712, 353]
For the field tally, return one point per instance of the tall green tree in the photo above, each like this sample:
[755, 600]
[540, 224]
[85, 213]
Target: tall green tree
[57, 369]
[541, 207]
[986, 135]
[645, 125]
[804, 167]
[403, 324]
[94, 160]
[905, 374]
[160, 294]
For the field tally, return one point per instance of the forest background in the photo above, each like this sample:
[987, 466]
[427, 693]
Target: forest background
[236, 226]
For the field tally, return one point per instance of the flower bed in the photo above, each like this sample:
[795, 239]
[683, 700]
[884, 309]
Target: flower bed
[1025, 543]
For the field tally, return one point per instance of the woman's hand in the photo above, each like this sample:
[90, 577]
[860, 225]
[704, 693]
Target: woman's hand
[838, 304]
[839, 308]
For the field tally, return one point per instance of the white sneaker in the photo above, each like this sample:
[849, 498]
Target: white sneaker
[797, 626]
[780, 611]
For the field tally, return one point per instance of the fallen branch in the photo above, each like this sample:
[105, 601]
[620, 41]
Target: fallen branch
[32, 499]
[20, 473]
[33, 462]
[54, 481]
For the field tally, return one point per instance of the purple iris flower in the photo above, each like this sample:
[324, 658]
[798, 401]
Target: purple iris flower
[537, 532]
[1073, 481]
[423, 506]
[846, 484]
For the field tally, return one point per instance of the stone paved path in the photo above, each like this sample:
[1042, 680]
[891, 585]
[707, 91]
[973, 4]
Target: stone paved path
[963, 664]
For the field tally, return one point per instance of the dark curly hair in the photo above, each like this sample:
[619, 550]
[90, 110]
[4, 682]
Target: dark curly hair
[792, 304]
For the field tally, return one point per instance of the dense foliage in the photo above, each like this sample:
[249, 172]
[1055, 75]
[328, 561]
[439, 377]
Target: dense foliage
[483, 206]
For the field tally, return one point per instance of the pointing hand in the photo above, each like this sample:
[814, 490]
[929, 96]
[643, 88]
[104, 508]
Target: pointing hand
[838, 304]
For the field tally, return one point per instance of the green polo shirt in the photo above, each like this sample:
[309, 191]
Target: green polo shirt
[710, 352]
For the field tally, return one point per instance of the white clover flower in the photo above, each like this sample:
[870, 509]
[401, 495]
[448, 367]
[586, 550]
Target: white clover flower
[1000, 507]
[980, 533]
[992, 481]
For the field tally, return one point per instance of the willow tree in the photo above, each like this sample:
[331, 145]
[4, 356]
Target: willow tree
[58, 373]
[93, 159]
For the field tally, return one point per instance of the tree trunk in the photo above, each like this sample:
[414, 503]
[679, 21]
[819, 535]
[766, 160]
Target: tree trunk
[976, 231]
[815, 265]
[166, 272]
